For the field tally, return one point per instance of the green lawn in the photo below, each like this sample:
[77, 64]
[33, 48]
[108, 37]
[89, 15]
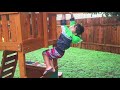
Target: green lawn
[81, 63]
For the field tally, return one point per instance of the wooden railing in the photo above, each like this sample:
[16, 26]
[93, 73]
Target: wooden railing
[27, 31]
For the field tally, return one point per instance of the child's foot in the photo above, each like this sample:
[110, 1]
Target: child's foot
[53, 69]
[49, 72]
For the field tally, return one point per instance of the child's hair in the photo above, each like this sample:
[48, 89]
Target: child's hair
[79, 29]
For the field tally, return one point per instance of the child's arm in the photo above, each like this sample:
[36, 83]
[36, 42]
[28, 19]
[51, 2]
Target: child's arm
[63, 21]
[72, 20]
[64, 27]
[76, 39]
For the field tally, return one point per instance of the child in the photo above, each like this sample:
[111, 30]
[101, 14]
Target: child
[69, 35]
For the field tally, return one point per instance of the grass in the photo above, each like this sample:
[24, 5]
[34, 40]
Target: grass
[81, 63]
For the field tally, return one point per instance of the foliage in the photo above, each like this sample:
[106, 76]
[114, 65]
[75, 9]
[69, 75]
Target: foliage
[109, 14]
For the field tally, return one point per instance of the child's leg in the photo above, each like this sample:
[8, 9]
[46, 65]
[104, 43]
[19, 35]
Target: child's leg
[48, 55]
[51, 62]
[47, 62]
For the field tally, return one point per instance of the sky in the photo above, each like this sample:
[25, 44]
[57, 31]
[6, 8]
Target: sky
[79, 16]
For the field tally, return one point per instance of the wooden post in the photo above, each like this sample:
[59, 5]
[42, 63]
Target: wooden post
[40, 28]
[33, 17]
[22, 65]
[0, 29]
[21, 55]
[45, 29]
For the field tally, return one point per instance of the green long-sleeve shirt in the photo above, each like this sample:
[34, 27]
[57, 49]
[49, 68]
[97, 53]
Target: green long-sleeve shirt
[68, 33]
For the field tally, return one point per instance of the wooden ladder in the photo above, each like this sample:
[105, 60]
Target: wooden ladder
[8, 64]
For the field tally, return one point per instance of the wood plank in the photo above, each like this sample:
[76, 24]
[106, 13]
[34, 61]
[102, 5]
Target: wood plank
[19, 28]
[109, 36]
[33, 17]
[7, 72]
[33, 71]
[118, 50]
[13, 28]
[28, 25]
[10, 46]
[103, 34]
[24, 27]
[6, 63]
[15, 64]
[113, 38]
[39, 22]
[119, 35]
[10, 58]
[84, 35]
[40, 28]
[101, 44]
[28, 46]
[8, 76]
[8, 52]
[0, 30]
[91, 36]
[100, 35]
[96, 35]
[53, 25]
[9, 65]
[5, 28]
[115, 35]
[22, 65]
[3, 13]
[87, 34]
[45, 29]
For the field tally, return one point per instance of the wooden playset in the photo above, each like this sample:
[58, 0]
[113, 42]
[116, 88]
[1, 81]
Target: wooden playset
[23, 32]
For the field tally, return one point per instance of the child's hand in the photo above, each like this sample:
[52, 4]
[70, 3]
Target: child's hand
[71, 14]
[63, 17]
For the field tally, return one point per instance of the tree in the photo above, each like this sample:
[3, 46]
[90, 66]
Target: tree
[110, 14]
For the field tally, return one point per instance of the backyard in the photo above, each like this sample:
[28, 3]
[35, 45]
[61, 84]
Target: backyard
[98, 56]
[82, 63]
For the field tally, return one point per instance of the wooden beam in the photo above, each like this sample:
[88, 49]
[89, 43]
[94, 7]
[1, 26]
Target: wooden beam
[12, 46]
[0, 31]
[108, 45]
[2, 13]
[22, 64]
[45, 29]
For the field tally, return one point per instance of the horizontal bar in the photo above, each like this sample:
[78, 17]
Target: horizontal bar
[2, 13]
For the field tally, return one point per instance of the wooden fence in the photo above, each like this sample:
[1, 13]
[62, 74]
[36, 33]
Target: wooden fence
[101, 34]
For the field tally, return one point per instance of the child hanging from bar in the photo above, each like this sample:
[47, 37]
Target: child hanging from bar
[69, 35]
